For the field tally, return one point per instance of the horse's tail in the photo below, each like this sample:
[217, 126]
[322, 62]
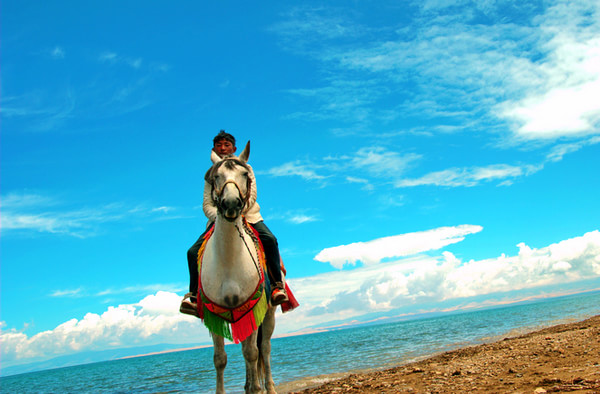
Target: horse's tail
[260, 365]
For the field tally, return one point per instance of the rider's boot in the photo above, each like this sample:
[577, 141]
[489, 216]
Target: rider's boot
[278, 295]
[189, 305]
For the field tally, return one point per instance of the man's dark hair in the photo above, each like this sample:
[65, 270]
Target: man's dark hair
[224, 136]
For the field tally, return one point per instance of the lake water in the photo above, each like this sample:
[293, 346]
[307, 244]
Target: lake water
[311, 358]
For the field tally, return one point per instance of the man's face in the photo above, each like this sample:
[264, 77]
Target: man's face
[224, 148]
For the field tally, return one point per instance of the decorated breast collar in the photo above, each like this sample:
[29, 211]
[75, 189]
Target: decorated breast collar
[235, 324]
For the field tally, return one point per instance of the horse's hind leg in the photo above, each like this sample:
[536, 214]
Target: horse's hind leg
[267, 328]
[250, 351]
[220, 359]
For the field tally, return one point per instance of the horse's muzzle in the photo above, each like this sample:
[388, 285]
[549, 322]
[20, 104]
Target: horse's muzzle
[230, 208]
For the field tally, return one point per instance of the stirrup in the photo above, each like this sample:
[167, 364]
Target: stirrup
[278, 296]
[187, 306]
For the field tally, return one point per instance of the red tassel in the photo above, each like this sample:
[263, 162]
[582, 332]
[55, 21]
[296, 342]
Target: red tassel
[292, 303]
[241, 329]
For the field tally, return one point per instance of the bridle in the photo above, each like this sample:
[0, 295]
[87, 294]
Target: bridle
[216, 192]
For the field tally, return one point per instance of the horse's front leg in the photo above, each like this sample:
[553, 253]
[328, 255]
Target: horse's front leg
[267, 327]
[250, 351]
[220, 360]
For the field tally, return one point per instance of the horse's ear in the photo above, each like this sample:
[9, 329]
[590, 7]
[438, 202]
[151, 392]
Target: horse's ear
[245, 153]
[214, 157]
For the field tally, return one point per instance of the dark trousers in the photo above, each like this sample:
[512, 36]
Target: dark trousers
[271, 253]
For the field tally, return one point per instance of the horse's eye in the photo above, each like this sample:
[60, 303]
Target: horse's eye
[245, 174]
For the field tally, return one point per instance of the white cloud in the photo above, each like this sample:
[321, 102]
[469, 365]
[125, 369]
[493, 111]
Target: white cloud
[567, 261]
[153, 320]
[370, 165]
[375, 161]
[407, 283]
[58, 52]
[559, 112]
[341, 99]
[375, 251]
[296, 168]
[504, 173]
[43, 114]
[367, 185]
[67, 293]
[389, 166]
[471, 176]
[34, 212]
[37, 223]
[295, 217]
[114, 58]
[565, 98]
[135, 63]
[139, 289]
[559, 151]
[299, 219]
[305, 26]
[108, 57]
[382, 162]
[162, 209]
[20, 200]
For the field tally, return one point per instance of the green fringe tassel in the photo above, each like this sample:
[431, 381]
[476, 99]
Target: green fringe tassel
[242, 328]
[260, 309]
[216, 325]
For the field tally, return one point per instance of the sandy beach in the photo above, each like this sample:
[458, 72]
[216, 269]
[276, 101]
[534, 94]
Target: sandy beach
[562, 358]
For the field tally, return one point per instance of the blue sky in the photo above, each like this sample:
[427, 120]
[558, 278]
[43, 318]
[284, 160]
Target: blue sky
[410, 157]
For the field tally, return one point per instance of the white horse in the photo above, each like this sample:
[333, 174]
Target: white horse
[230, 272]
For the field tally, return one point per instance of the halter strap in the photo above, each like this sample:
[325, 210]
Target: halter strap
[216, 193]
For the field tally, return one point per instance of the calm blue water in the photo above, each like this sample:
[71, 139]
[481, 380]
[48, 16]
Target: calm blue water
[297, 359]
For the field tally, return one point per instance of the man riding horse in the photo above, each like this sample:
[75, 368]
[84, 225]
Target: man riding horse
[224, 146]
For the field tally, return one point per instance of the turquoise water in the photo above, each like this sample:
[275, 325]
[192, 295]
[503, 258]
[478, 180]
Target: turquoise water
[297, 359]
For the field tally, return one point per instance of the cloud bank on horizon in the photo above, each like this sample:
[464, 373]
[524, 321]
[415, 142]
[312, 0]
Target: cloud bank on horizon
[336, 296]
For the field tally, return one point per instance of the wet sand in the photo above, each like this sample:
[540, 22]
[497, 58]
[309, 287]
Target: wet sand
[562, 358]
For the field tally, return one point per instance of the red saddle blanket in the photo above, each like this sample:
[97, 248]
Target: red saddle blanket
[236, 324]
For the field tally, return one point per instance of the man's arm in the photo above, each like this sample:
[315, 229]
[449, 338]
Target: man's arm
[208, 204]
[252, 210]
[253, 192]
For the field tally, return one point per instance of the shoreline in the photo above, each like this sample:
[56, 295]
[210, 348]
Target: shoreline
[559, 358]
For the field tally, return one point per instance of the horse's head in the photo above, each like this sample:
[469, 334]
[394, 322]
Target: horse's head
[230, 181]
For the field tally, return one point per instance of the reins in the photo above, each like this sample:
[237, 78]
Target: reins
[253, 236]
